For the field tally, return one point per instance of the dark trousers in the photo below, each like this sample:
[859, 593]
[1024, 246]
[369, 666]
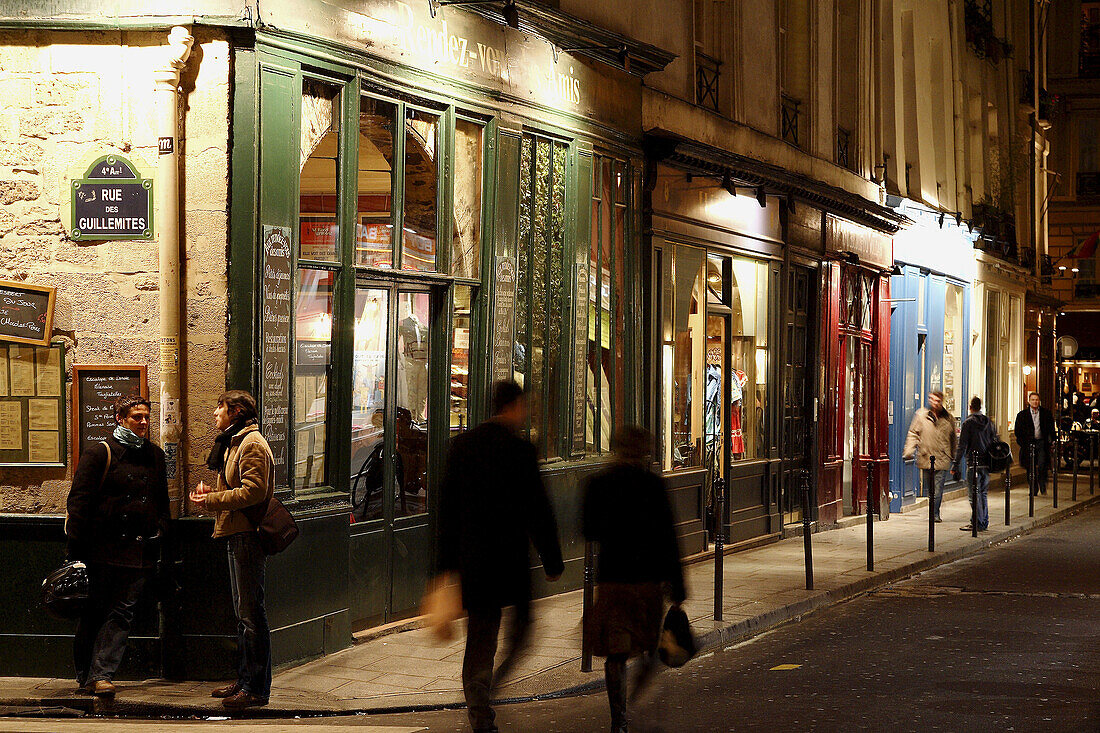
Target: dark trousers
[482, 629]
[1042, 464]
[614, 673]
[246, 576]
[104, 626]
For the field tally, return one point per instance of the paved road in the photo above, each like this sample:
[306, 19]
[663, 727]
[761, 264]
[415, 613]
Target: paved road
[1008, 641]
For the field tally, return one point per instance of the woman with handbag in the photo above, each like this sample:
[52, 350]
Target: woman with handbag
[117, 515]
[243, 462]
[623, 503]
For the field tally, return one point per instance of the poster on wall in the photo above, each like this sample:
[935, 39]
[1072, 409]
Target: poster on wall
[96, 387]
[32, 405]
[26, 313]
[275, 352]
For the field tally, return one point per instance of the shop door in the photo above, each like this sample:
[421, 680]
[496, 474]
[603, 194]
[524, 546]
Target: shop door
[857, 353]
[797, 392]
[716, 410]
[392, 419]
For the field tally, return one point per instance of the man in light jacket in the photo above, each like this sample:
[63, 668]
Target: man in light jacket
[932, 433]
[242, 460]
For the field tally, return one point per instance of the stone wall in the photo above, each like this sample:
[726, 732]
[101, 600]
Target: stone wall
[67, 98]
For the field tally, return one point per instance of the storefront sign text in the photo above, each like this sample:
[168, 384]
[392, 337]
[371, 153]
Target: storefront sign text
[275, 389]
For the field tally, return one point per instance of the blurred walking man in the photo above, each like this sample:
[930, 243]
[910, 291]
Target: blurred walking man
[492, 504]
[932, 434]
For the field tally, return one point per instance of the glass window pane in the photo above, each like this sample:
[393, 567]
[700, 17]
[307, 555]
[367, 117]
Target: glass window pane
[540, 254]
[607, 362]
[595, 285]
[749, 388]
[418, 238]
[684, 374]
[526, 209]
[374, 210]
[368, 403]
[411, 420]
[318, 228]
[312, 369]
[555, 376]
[953, 398]
[620, 289]
[460, 358]
[466, 243]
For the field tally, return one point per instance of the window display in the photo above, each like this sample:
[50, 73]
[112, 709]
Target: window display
[374, 209]
[312, 370]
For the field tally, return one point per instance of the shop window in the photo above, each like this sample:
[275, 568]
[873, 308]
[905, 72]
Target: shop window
[993, 355]
[466, 241]
[414, 315]
[607, 265]
[462, 320]
[954, 398]
[683, 355]
[374, 208]
[318, 225]
[418, 233]
[540, 289]
[749, 358]
[312, 372]
[368, 400]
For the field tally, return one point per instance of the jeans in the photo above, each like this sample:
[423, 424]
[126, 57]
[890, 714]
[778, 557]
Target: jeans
[478, 679]
[980, 494]
[1042, 462]
[246, 577]
[104, 627]
[938, 481]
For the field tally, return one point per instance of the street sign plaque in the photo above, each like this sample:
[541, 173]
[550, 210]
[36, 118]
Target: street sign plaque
[112, 201]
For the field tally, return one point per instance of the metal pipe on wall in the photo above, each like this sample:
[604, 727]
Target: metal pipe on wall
[166, 80]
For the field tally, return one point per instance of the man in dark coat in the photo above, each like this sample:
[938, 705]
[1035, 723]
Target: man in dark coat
[492, 504]
[1035, 426]
[117, 514]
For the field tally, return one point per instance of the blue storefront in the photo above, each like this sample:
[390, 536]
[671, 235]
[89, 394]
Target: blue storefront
[930, 330]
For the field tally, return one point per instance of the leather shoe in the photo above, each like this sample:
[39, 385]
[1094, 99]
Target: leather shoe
[242, 700]
[967, 528]
[100, 688]
[227, 691]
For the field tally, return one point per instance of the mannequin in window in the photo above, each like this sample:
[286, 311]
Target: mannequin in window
[737, 399]
[413, 336]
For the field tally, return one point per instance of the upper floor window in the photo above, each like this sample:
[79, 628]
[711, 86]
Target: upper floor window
[794, 69]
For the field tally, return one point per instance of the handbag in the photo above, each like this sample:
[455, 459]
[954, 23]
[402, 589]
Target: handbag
[677, 643]
[274, 524]
[442, 605]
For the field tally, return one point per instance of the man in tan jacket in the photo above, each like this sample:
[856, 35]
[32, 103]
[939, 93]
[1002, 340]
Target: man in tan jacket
[244, 466]
[932, 433]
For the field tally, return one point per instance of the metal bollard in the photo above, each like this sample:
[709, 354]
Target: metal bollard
[806, 529]
[1056, 451]
[1008, 490]
[870, 519]
[1076, 468]
[930, 491]
[1092, 461]
[719, 545]
[1032, 481]
[972, 480]
[586, 606]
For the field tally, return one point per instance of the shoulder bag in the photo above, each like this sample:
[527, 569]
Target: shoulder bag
[274, 524]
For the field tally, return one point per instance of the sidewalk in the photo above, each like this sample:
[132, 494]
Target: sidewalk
[763, 587]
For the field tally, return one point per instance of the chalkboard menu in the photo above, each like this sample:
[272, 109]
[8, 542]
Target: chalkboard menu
[26, 313]
[95, 389]
[504, 307]
[275, 385]
[32, 405]
[580, 356]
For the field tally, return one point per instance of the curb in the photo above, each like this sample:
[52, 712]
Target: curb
[725, 635]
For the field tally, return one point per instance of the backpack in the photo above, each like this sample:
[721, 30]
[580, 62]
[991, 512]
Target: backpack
[983, 441]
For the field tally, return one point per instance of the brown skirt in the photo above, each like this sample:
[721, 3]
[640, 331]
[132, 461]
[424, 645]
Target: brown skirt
[625, 619]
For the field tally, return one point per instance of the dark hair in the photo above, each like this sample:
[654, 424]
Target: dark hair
[239, 402]
[937, 393]
[975, 404]
[124, 404]
[1034, 393]
[632, 444]
[505, 392]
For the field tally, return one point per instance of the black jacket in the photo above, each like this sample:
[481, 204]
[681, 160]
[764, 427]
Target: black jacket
[118, 522]
[626, 510]
[1025, 429]
[492, 503]
[972, 437]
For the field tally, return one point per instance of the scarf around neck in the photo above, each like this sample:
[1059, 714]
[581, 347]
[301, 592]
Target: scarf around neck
[128, 437]
[216, 460]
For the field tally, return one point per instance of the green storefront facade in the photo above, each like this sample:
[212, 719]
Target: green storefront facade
[421, 200]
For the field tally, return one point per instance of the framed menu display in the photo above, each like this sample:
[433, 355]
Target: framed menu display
[95, 389]
[32, 405]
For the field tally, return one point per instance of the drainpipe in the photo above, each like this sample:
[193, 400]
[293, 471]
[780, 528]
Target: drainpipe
[166, 81]
[961, 110]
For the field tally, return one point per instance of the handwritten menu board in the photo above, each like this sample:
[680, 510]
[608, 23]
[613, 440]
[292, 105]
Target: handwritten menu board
[95, 389]
[26, 313]
[275, 384]
[32, 405]
[504, 305]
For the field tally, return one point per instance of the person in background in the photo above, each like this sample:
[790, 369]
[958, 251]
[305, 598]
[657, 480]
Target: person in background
[1035, 427]
[978, 433]
[932, 433]
[492, 504]
[117, 519]
[242, 460]
[1093, 423]
[623, 503]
